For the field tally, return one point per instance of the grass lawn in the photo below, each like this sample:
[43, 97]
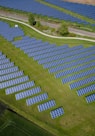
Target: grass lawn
[79, 117]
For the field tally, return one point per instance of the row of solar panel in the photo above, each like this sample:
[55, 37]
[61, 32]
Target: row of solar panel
[6, 65]
[90, 98]
[36, 99]
[9, 70]
[40, 9]
[14, 82]
[86, 90]
[46, 105]
[57, 112]
[82, 82]
[20, 87]
[12, 75]
[27, 93]
[2, 61]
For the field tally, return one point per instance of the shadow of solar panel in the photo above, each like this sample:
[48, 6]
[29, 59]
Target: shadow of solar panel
[19, 87]
[57, 112]
[27, 93]
[90, 98]
[36, 99]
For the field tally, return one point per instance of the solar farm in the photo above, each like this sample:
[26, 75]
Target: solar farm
[50, 84]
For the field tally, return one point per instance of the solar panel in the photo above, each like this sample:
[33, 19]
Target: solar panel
[27, 93]
[57, 112]
[82, 82]
[36, 99]
[13, 82]
[19, 87]
[90, 98]
[46, 105]
[11, 76]
[86, 90]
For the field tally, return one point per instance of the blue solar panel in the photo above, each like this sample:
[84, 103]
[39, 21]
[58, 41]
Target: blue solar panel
[86, 90]
[46, 105]
[82, 82]
[36, 99]
[13, 82]
[90, 98]
[6, 65]
[5, 60]
[56, 113]
[9, 70]
[11, 76]
[20, 87]
[78, 68]
[27, 93]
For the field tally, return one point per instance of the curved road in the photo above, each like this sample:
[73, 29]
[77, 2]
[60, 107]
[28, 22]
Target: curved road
[56, 37]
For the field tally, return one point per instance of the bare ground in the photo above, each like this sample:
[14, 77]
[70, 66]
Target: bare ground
[92, 2]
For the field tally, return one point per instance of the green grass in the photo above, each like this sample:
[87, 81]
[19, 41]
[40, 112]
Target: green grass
[79, 117]
[11, 124]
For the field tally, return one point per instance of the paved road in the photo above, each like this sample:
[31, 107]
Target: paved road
[55, 37]
[81, 32]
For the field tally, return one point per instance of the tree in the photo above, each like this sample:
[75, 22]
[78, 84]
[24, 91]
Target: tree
[63, 30]
[31, 19]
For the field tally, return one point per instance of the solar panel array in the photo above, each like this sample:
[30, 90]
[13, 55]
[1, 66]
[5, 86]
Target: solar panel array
[82, 9]
[73, 65]
[36, 7]
[10, 32]
[14, 81]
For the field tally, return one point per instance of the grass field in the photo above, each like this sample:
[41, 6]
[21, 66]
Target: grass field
[11, 124]
[79, 117]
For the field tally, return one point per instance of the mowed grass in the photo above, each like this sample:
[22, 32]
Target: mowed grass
[79, 117]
